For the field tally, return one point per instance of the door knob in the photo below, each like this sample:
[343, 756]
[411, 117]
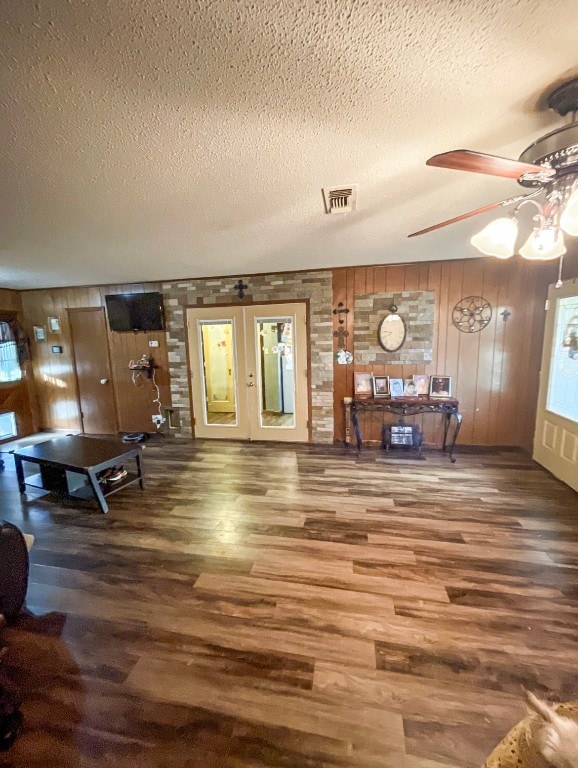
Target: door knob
[104, 381]
[251, 384]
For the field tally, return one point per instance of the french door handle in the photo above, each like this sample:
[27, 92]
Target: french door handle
[251, 384]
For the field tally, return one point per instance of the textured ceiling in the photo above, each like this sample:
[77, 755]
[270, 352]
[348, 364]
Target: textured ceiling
[149, 139]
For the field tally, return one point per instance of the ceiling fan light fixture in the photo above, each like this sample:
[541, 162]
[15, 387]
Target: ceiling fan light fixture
[497, 238]
[543, 245]
[569, 216]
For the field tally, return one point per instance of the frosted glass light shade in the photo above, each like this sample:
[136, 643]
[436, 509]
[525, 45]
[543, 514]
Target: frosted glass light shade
[543, 245]
[497, 238]
[569, 217]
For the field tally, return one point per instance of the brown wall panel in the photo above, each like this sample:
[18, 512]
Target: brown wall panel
[10, 300]
[495, 372]
[54, 374]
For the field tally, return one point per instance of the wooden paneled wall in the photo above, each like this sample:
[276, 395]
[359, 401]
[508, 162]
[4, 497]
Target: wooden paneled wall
[10, 301]
[495, 372]
[54, 373]
[18, 396]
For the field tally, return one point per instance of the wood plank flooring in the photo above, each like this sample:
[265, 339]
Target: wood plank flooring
[261, 606]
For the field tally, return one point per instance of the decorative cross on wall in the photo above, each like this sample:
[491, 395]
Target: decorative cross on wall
[241, 287]
[341, 310]
[341, 334]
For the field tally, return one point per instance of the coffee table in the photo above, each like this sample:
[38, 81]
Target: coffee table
[71, 466]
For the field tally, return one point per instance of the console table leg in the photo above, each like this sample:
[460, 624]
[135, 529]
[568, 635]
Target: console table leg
[447, 419]
[357, 431]
[455, 437]
[97, 491]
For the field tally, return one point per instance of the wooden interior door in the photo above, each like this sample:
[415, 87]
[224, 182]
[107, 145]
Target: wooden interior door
[556, 436]
[92, 369]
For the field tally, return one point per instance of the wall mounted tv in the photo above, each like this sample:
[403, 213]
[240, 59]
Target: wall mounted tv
[135, 311]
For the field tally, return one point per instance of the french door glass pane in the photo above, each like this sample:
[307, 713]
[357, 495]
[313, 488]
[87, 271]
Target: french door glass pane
[563, 387]
[218, 359]
[275, 346]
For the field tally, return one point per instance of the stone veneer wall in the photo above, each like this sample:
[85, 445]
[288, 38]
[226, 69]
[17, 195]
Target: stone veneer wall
[417, 310]
[315, 286]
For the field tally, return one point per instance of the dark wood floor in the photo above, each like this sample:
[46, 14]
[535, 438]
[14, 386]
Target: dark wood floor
[267, 606]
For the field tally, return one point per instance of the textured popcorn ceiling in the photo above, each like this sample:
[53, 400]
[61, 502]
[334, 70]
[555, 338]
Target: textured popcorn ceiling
[147, 139]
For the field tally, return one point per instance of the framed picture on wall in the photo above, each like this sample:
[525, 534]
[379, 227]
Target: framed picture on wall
[363, 384]
[39, 333]
[381, 386]
[440, 386]
[54, 324]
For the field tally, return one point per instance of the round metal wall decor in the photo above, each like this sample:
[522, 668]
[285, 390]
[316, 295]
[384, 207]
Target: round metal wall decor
[472, 314]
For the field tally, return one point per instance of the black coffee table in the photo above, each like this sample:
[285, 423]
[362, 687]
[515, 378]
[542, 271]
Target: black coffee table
[71, 466]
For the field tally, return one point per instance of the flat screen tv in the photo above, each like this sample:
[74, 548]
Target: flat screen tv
[135, 311]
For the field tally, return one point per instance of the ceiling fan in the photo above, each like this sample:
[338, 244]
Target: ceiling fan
[549, 166]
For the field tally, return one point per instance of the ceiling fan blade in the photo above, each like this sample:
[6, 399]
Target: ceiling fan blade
[467, 215]
[478, 162]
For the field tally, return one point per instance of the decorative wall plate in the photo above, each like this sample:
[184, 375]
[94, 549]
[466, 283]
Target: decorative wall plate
[343, 357]
[472, 314]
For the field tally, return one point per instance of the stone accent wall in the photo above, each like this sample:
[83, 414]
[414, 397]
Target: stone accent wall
[315, 286]
[417, 310]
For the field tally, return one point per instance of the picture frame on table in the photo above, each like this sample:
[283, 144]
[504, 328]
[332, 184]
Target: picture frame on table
[440, 386]
[421, 383]
[381, 386]
[396, 387]
[409, 388]
[362, 384]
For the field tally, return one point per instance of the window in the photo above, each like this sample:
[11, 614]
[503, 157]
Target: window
[563, 386]
[7, 425]
[9, 363]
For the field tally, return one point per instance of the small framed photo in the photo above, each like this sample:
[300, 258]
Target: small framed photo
[409, 388]
[421, 383]
[39, 333]
[440, 386]
[381, 386]
[363, 384]
[396, 387]
[54, 324]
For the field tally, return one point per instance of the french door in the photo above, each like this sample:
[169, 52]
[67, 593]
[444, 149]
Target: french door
[556, 436]
[249, 371]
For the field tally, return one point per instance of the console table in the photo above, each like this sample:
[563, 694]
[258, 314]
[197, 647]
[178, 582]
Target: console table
[72, 466]
[403, 407]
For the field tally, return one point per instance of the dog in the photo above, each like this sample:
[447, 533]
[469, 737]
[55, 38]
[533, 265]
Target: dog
[547, 738]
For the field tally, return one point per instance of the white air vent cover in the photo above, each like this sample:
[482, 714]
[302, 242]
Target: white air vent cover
[340, 199]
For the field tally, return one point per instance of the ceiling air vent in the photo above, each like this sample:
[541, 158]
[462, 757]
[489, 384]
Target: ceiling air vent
[340, 199]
